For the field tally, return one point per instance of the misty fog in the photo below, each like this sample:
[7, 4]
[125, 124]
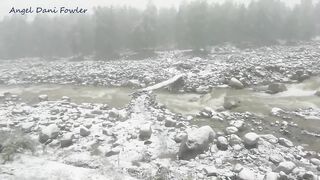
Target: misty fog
[194, 25]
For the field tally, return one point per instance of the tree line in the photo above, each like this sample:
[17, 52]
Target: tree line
[196, 25]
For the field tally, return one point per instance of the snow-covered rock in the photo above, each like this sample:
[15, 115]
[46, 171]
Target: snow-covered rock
[250, 139]
[235, 83]
[49, 132]
[286, 167]
[197, 141]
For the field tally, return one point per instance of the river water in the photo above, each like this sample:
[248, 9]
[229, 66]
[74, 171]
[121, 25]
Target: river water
[300, 95]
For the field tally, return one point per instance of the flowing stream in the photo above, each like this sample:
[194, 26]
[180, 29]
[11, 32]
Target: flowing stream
[300, 95]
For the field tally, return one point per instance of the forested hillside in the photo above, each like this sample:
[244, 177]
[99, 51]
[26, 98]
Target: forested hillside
[196, 25]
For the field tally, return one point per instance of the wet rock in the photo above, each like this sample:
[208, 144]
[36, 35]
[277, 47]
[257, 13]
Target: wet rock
[270, 138]
[285, 142]
[222, 143]
[133, 83]
[145, 132]
[170, 123]
[66, 98]
[303, 77]
[84, 131]
[202, 90]
[250, 139]
[49, 132]
[286, 167]
[317, 93]
[66, 140]
[231, 103]
[276, 88]
[43, 97]
[235, 83]
[234, 139]
[231, 130]
[238, 124]
[197, 142]
[276, 111]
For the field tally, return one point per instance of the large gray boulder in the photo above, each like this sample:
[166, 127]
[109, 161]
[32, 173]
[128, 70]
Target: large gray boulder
[317, 93]
[250, 139]
[276, 88]
[235, 83]
[49, 132]
[196, 142]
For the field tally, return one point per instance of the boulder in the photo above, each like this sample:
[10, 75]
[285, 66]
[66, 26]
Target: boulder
[235, 83]
[197, 142]
[66, 98]
[178, 138]
[250, 139]
[170, 123]
[49, 132]
[112, 151]
[246, 174]
[27, 126]
[238, 124]
[145, 132]
[234, 139]
[222, 143]
[43, 97]
[270, 138]
[276, 111]
[315, 161]
[84, 131]
[230, 103]
[317, 93]
[276, 88]
[231, 130]
[309, 175]
[285, 142]
[286, 167]
[66, 140]
[276, 158]
[271, 176]
[210, 171]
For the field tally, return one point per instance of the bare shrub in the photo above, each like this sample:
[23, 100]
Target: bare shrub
[12, 142]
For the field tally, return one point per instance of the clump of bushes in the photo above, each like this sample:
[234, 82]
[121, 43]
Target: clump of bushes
[12, 142]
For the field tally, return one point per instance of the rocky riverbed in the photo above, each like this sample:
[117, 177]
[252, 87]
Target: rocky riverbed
[143, 138]
[249, 66]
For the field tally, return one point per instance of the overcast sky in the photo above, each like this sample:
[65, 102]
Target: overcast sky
[6, 5]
